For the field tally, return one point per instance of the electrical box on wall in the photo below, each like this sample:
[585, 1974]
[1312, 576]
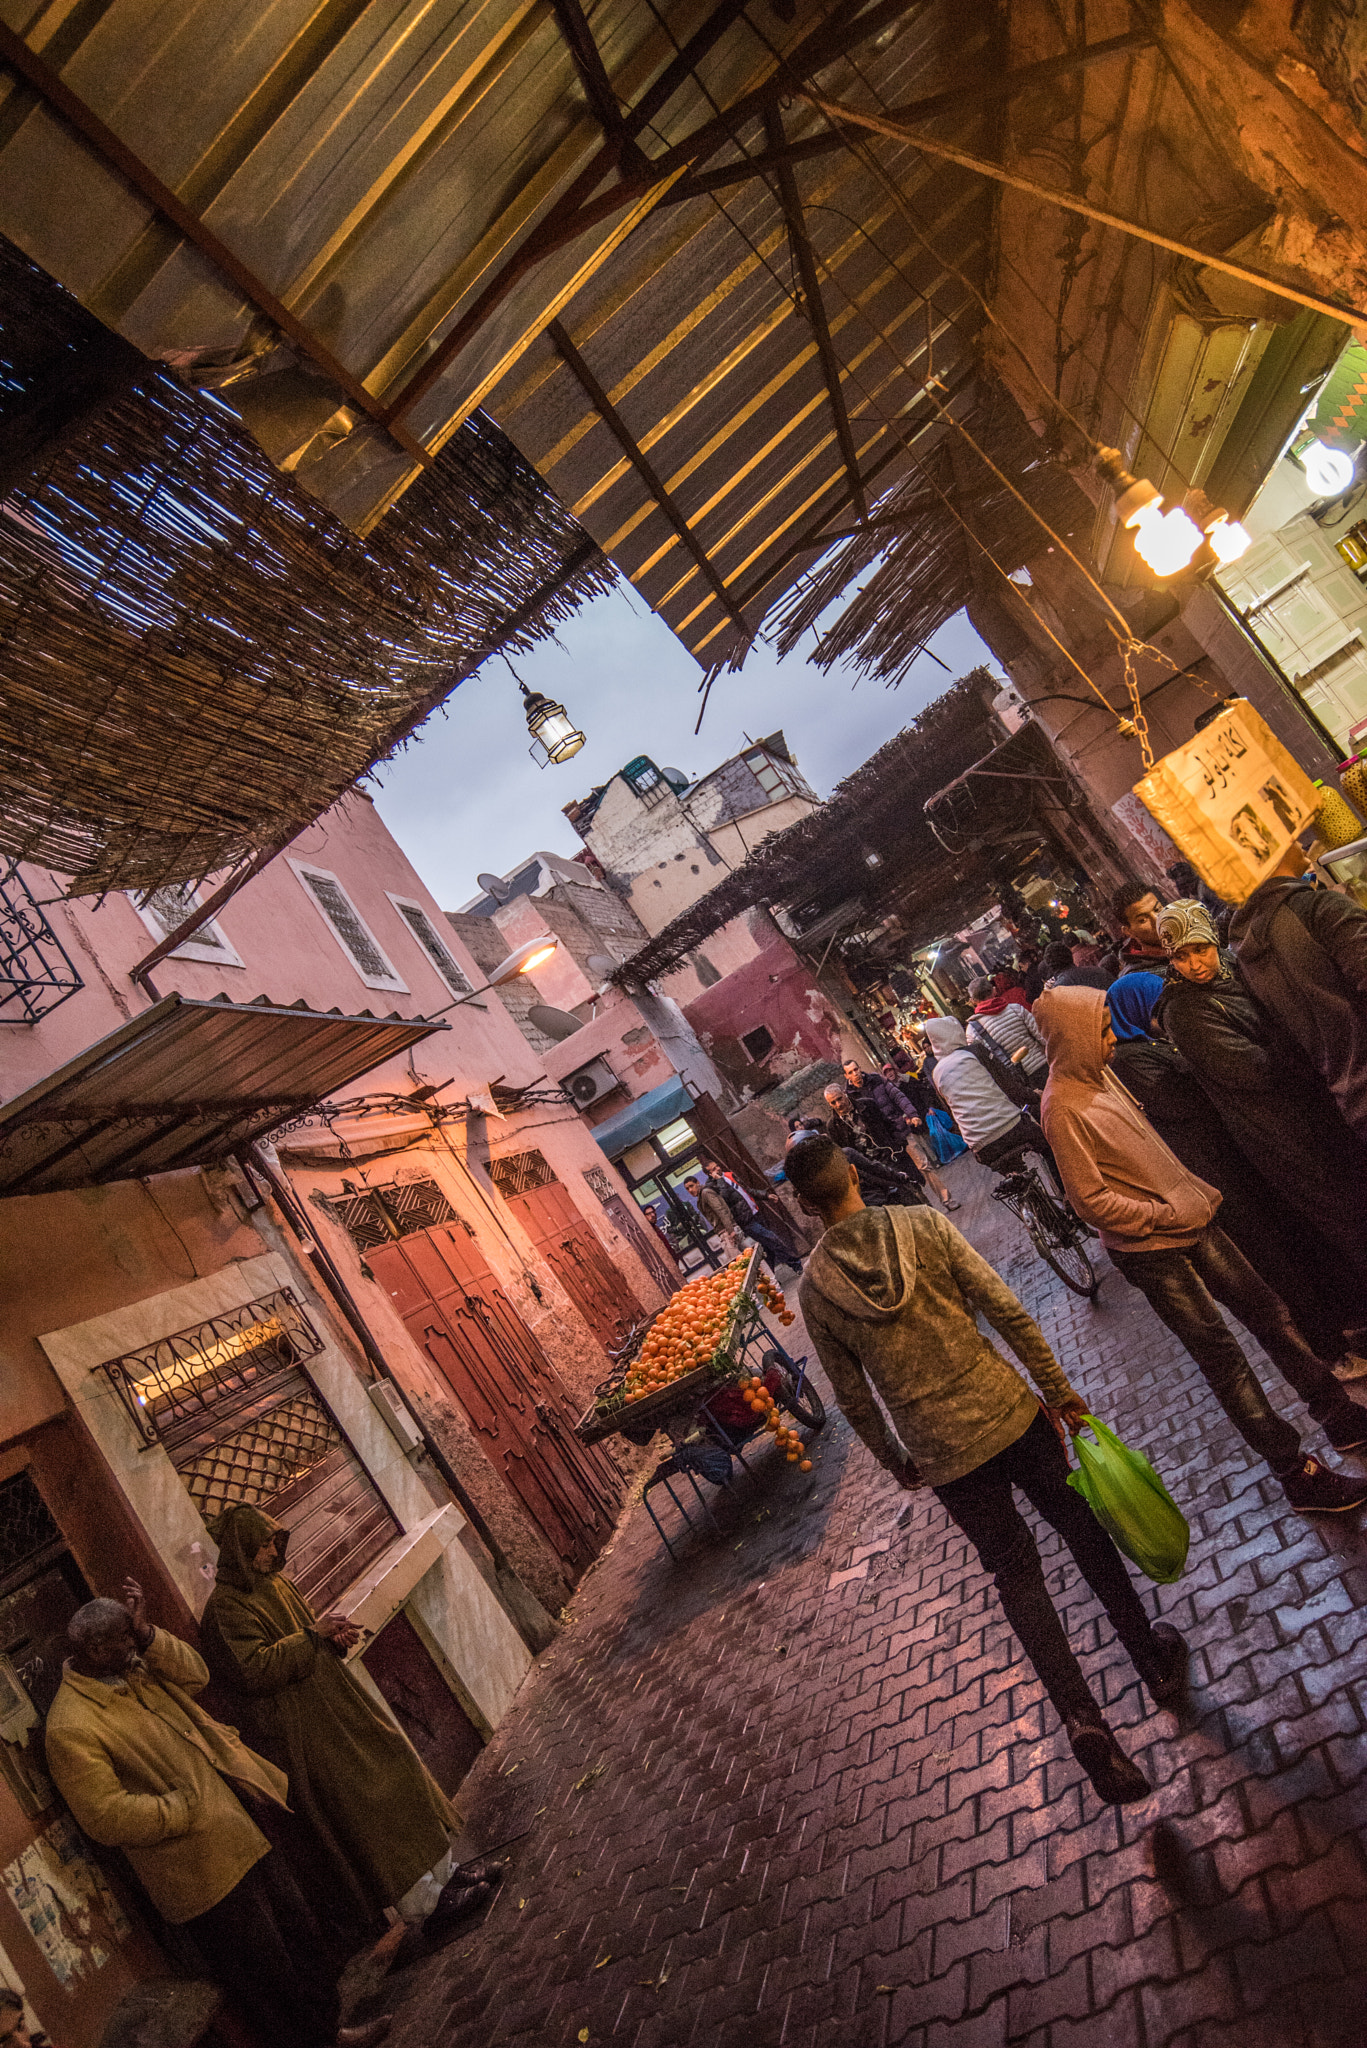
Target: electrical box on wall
[392, 1406]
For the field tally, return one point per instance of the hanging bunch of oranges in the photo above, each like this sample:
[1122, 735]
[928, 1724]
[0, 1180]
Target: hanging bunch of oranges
[771, 1294]
[761, 1403]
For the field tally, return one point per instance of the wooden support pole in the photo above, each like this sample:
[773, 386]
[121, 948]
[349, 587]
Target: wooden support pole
[881, 124]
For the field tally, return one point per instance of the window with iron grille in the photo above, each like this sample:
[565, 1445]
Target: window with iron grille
[161, 910]
[379, 1215]
[428, 937]
[35, 973]
[519, 1173]
[230, 1404]
[350, 929]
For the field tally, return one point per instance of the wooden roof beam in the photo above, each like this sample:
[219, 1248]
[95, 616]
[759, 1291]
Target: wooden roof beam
[815, 307]
[962, 98]
[583, 206]
[598, 88]
[645, 469]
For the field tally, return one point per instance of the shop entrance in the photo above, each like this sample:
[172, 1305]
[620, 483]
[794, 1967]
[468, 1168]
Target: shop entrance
[422, 1703]
[458, 1315]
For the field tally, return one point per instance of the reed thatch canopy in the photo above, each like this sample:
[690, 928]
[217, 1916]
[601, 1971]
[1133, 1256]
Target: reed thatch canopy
[195, 658]
[953, 527]
[818, 871]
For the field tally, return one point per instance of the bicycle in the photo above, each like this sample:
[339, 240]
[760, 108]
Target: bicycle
[1055, 1232]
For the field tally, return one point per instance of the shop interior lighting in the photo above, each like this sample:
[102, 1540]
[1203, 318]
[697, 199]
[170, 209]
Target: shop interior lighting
[1328, 471]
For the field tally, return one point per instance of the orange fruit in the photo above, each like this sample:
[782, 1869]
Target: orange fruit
[805, 1466]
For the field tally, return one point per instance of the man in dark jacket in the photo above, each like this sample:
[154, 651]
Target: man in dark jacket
[1303, 952]
[747, 1219]
[891, 1300]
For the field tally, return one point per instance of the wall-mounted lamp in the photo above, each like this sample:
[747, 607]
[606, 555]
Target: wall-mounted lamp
[1167, 539]
[535, 953]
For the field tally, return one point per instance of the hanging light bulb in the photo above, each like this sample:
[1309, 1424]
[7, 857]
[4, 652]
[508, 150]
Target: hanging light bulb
[550, 726]
[1328, 471]
[1165, 540]
[1228, 538]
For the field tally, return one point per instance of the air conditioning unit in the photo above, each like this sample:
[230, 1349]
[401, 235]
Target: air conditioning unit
[587, 1085]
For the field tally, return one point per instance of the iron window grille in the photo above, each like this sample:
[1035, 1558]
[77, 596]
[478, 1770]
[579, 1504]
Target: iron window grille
[429, 938]
[520, 1173]
[36, 974]
[400, 1209]
[350, 929]
[234, 1366]
[28, 1534]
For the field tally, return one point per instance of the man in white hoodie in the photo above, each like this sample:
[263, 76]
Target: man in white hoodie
[890, 1299]
[997, 1129]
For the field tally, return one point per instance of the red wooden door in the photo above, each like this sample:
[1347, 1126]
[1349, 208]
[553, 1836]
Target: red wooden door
[566, 1241]
[422, 1702]
[517, 1405]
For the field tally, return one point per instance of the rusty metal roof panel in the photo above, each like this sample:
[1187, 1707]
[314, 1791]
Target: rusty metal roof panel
[187, 1083]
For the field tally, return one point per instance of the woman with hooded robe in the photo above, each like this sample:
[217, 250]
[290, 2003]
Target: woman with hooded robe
[378, 1820]
[1270, 1099]
[1293, 1258]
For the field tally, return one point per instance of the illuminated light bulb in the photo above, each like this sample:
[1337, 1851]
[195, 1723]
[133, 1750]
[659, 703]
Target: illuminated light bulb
[1328, 471]
[1165, 540]
[1228, 538]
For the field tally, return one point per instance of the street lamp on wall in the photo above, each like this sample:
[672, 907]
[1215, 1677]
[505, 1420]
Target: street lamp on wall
[532, 954]
[550, 726]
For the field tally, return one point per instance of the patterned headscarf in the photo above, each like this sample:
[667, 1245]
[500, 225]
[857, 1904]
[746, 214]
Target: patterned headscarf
[1186, 923]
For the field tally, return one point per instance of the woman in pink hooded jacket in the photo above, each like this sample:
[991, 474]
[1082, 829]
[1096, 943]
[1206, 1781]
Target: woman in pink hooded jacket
[1158, 1222]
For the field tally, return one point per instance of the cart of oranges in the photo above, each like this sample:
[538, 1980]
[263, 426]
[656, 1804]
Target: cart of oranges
[695, 1346]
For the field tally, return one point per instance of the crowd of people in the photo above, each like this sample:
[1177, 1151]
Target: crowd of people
[1199, 1091]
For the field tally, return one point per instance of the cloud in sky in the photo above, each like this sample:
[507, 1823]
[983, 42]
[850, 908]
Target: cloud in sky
[466, 796]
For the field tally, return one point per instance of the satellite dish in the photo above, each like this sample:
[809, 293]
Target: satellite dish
[495, 886]
[601, 964]
[556, 1024]
[676, 779]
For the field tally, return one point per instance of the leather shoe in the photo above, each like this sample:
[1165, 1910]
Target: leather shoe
[1166, 1676]
[1115, 1778]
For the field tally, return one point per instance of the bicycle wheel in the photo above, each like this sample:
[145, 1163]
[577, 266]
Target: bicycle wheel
[1055, 1243]
[808, 1408]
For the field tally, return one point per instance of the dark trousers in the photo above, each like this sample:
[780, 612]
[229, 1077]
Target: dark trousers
[776, 1250]
[1023, 1136]
[262, 1945]
[1184, 1288]
[983, 1506]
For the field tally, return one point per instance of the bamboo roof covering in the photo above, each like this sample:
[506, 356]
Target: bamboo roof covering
[196, 660]
[818, 869]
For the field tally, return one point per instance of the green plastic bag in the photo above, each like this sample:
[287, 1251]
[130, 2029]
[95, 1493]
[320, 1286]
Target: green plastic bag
[1131, 1503]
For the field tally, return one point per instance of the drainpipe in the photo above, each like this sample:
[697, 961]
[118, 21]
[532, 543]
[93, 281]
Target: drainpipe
[524, 1610]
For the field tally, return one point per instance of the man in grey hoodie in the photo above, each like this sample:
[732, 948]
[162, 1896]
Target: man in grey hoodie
[889, 1297]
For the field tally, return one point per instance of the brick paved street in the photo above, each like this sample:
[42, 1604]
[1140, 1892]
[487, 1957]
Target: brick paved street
[801, 1789]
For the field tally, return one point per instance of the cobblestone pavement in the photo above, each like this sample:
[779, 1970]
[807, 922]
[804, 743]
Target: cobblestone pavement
[800, 1788]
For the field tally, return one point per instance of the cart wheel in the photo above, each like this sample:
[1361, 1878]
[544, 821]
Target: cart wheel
[806, 1407]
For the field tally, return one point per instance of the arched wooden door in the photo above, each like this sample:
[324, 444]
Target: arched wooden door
[566, 1241]
[522, 1415]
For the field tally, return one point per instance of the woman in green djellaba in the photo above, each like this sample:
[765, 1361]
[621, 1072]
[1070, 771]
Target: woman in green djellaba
[380, 1820]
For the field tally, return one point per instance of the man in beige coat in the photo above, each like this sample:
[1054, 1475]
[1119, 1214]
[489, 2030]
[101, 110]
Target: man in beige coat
[890, 1298]
[145, 1770]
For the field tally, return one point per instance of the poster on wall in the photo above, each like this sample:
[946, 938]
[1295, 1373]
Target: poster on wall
[60, 1893]
[1232, 800]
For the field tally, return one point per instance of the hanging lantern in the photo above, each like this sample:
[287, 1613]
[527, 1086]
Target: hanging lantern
[550, 726]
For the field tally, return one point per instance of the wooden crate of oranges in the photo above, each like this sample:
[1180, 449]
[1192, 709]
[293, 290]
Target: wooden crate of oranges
[696, 1344]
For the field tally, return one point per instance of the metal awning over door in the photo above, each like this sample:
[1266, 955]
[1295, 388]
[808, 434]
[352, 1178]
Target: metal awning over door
[186, 1084]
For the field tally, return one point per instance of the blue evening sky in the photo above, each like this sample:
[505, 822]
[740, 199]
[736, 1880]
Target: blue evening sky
[465, 796]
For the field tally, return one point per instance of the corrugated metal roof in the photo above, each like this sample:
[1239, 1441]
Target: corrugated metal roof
[387, 175]
[186, 1084]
